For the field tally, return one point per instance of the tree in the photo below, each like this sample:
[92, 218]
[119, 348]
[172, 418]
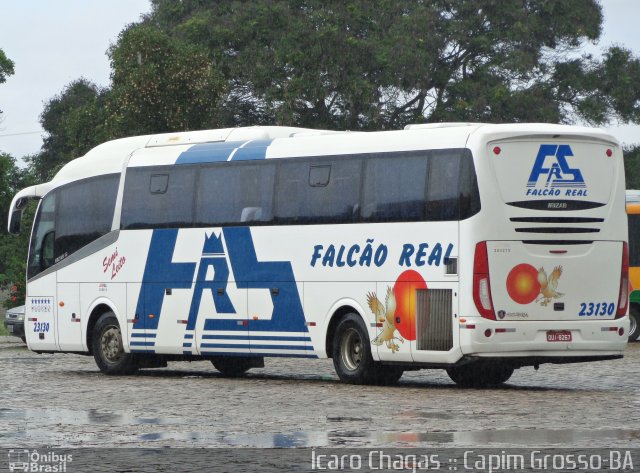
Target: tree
[13, 250]
[383, 64]
[75, 122]
[6, 68]
[160, 84]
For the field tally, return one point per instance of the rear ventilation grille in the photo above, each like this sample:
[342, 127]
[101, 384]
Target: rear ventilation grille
[434, 321]
[556, 219]
[557, 230]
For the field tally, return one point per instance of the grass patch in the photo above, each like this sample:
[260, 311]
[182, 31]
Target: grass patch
[3, 330]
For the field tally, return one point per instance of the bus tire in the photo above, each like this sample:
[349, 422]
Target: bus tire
[235, 366]
[634, 318]
[480, 374]
[352, 357]
[108, 349]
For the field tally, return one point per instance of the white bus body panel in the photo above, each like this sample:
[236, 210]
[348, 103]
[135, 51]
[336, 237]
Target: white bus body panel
[273, 290]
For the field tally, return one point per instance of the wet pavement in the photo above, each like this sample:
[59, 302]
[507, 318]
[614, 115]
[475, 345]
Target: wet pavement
[63, 401]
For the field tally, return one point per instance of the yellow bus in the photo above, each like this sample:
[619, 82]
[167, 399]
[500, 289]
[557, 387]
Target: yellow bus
[633, 210]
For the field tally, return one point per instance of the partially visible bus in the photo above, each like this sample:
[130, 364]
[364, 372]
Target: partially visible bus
[474, 248]
[633, 211]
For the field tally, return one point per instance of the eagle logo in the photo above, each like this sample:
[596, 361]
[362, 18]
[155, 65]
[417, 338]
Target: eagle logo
[385, 315]
[548, 285]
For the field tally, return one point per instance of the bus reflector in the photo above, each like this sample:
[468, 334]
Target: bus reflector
[623, 299]
[481, 285]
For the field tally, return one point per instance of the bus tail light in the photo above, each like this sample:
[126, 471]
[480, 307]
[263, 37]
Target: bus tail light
[481, 285]
[623, 298]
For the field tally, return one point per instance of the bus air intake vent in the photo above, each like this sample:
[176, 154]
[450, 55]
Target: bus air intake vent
[434, 320]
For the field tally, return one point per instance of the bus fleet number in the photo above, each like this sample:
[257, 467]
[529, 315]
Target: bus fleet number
[593, 309]
[41, 327]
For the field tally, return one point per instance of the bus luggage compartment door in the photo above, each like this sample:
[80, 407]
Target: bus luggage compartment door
[69, 326]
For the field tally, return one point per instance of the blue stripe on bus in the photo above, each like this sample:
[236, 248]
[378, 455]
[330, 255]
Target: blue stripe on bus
[186, 345]
[256, 149]
[256, 337]
[278, 355]
[142, 344]
[186, 352]
[252, 346]
[209, 152]
[188, 336]
[143, 335]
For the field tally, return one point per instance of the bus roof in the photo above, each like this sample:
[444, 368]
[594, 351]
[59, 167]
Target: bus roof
[112, 156]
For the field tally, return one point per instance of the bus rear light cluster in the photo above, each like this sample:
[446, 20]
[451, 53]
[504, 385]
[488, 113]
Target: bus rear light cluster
[623, 298]
[481, 284]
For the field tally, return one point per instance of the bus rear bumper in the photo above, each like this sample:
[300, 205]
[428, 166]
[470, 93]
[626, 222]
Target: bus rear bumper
[547, 339]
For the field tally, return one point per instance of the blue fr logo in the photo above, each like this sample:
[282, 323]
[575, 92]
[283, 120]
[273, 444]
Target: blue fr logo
[558, 174]
[161, 273]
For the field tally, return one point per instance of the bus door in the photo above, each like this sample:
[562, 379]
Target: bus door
[40, 312]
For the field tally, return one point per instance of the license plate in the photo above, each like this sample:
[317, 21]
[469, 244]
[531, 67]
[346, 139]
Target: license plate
[10, 328]
[558, 336]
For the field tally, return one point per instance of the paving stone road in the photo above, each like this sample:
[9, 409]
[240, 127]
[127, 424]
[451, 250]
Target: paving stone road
[63, 401]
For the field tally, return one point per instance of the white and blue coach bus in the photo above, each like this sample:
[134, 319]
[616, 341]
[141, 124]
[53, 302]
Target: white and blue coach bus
[474, 248]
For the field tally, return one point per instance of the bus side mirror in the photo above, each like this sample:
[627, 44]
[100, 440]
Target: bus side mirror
[14, 222]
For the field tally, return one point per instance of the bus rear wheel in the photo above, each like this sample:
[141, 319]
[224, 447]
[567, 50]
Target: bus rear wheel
[480, 374]
[634, 317]
[352, 351]
[108, 349]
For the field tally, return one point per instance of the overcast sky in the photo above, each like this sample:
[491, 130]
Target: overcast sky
[55, 42]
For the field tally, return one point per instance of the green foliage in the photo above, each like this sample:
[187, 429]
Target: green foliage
[160, 84]
[632, 167]
[382, 64]
[75, 122]
[13, 250]
[6, 68]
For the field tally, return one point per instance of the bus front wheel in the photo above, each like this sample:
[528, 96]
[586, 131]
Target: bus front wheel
[108, 349]
[634, 317]
[480, 374]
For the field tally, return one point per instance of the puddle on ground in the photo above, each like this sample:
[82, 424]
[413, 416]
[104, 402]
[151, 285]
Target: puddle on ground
[95, 427]
[47, 417]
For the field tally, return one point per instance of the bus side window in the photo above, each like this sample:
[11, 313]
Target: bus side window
[319, 191]
[441, 201]
[156, 198]
[230, 194]
[394, 188]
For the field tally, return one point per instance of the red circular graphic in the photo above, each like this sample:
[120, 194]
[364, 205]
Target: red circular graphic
[522, 283]
[405, 292]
